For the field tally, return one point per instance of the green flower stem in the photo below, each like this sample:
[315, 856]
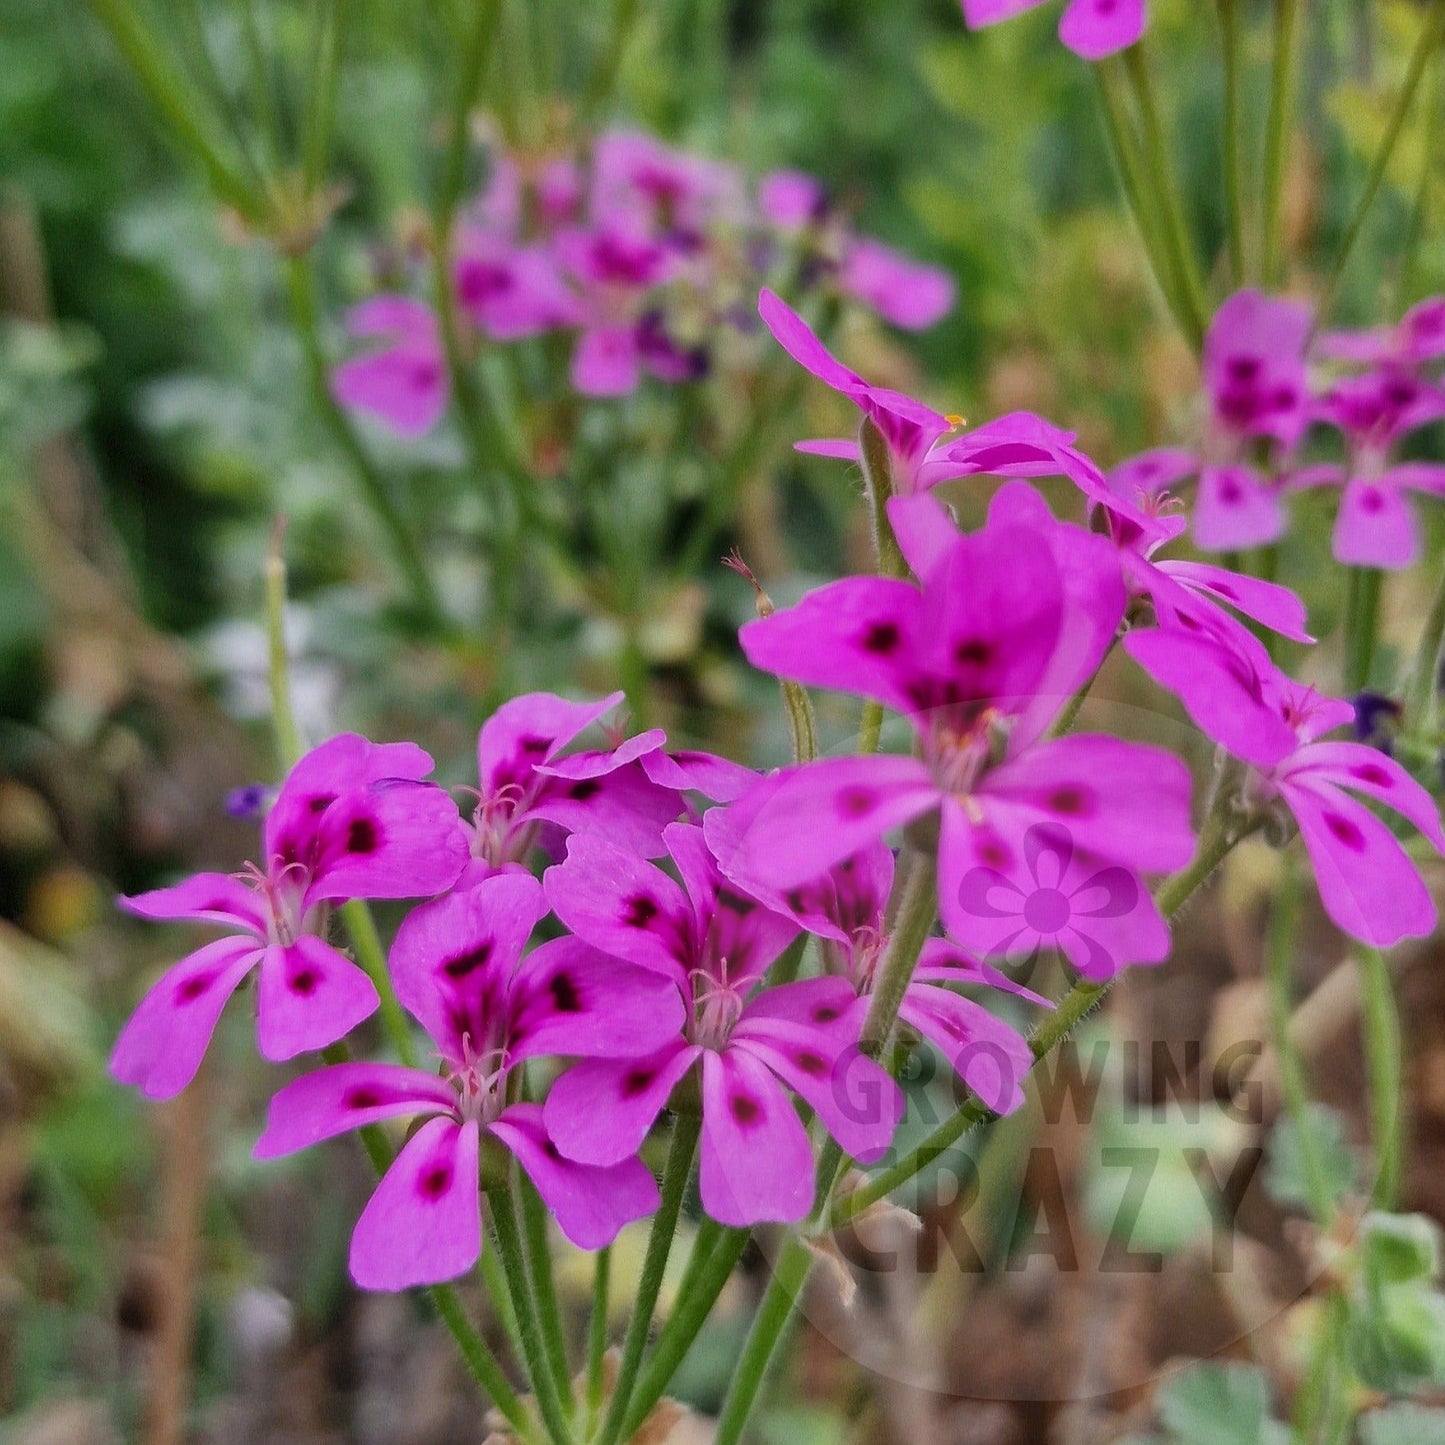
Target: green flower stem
[179, 107]
[1230, 36]
[685, 1131]
[1420, 209]
[1362, 618]
[544, 1289]
[1422, 684]
[301, 292]
[328, 33]
[1065, 721]
[495, 1285]
[917, 911]
[366, 944]
[609, 63]
[878, 484]
[597, 1334]
[1278, 127]
[1125, 150]
[695, 1304]
[1321, 1396]
[534, 1346]
[1385, 1068]
[1215, 842]
[283, 716]
[1431, 34]
[766, 1336]
[474, 1352]
[1165, 196]
[1294, 1091]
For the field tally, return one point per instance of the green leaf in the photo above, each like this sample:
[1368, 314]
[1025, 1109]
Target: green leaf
[1216, 1404]
[1403, 1425]
[1399, 1248]
[1286, 1179]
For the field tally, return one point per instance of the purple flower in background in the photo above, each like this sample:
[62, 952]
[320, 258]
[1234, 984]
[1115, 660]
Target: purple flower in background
[792, 201]
[1417, 339]
[1092, 29]
[1368, 884]
[352, 820]
[846, 908]
[911, 296]
[674, 195]
[1006, 624]
[458, 966]
[531, 795]
[511, 291]
[753, 1048]
[404, 383]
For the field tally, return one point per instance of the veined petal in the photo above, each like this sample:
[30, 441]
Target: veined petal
[992, 1058]
[531, 730]
[571, 1000]
[1367, 882]
[590, 1203]
[757, 1166]
[308, 996]
[162, 1044]
[343, 1097]
[600, 1110]
[859, 1104]
[1277, 607]
[423, 1224]
[795, 336]
[624, 806]
[1366, 770]
[686, 770]
[623, 905]
[840, 449]
[203, 898]
[943, 961]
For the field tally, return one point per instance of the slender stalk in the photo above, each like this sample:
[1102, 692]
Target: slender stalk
[1065, 721]
[1422, 685]
[1362, 617]
[544, 1289]
[609, 63]
[501, 1300]
[534, 1346]
[321, 94]
[283, 716]
[1420, 209]
[678, 1169]
[1165, 196]
[597, 1334]
[366, 945]
[1230, 35]
[770, 1328]
[1431, 34]
[1278, 128]
[1124, 148]
[1318, 1401]
[878, 483]
[916, 914]
[695, 1304]
[178, 105]
[473, 1349]
[301, 292]
[1385, 1070]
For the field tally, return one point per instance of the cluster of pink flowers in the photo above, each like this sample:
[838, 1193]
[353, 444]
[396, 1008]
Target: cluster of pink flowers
[646, 255]
[1092, 29]
[1284, 413]
[672, 882]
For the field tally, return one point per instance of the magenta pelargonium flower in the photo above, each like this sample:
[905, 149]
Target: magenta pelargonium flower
[752, 1047]
[534, 791]
[1092, 29]
[402, 383]
[511, 291]
[1367, 882]
[924, 446]
[846, 908]
[352, 820]
[1417, 339]
[1004, 626]
[459, 967]
[1256, 382]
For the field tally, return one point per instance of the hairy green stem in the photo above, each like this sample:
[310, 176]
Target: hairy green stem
[1385, 1072]
[597, 1334]
[1165, 196]
[544, 1289]
[366, 944]
[301, 291]
[534, 1345]
[1230, 36]
[1277, 134]
[685, 1131]
[1430, 37]
[917, 911]
[1362, 621]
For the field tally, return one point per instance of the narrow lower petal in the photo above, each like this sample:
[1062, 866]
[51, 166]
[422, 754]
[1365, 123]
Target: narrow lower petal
[423, 1224]
[591, 1204]
[1366, 770]
[1278, 608]
[343, 1097]
[163, 1042]
[309, 997]
[757, 1165]
[204, 898]
[989, 1056]
[600, 1111]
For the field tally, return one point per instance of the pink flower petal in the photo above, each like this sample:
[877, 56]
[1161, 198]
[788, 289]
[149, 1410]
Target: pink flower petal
[795, 336]
[1367, 770]
[203, 898]
[309, 996]
[1276, 607]
[757, 1165]
[1093, 29]
[1235, 510]
[591, 1204]
[162, 1044]
[992, 1058]
[423, 1224]
[1376, 527]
